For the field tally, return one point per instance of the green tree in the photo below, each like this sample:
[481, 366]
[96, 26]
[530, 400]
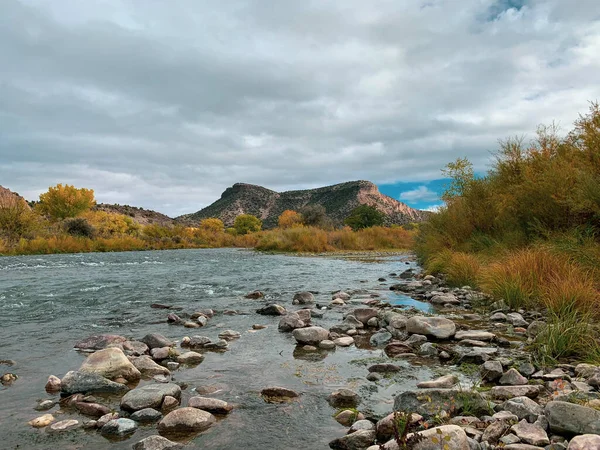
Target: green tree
[62, 202]
[364, 216]
[461, 175]
[247, 223]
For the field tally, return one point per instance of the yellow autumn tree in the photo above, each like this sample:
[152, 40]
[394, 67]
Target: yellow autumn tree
[17, 220]
[212, 224]
[290, 219]
[61, 202]
[111, 224]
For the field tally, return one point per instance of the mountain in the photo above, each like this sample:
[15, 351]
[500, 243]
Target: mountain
[8, 198]
[339, 200]
[140, 215]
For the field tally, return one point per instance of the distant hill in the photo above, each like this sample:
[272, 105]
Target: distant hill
[140, 215]
[339, 200]
[8, 197]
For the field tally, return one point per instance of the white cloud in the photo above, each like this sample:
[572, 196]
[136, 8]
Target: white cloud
[434, 208]
[420, 194]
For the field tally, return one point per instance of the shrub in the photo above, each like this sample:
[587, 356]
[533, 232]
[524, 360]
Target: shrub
[315, 216]
[247, 223]
[212, 224]
[289, 219]
[61, 202]
[79, 227]
[364, 216]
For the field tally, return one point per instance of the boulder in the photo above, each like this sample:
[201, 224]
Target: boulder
[513, 378]
[494, 431]
[111, 363]
[155, 340]
[347, 417]
[118, 428]
[516, 320]
[212, 405]
[89, 383]
[229, 335]
[585, 442]
[303, 298]
[290, 322]
[99, 342]
[451, 435]
[571, 418]
[396, 348]
[156, 443]
[310, 335]
[148, 367]
[185, 421]
[507, 392]
[340, 295]
[523, 408]
[358, 440]
[364, 314]
[343, 398]
[384, 368]
[530, 433]
[149, 396]
[271, 310]
[438, 327]
[146, 415]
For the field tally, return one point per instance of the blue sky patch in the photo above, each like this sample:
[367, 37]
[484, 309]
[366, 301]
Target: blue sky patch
[420, 195]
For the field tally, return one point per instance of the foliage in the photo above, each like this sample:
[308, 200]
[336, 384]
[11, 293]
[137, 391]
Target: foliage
[111, 224]
[247, 223]
[315, 216]
[364, 216]
[212, 225]
[402, 427]
[17, 220]
[79, 227]
[290, 219]
[61, 202]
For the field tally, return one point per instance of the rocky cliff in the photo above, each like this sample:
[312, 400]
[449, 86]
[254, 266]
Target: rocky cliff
[338, 200]
[9, 198]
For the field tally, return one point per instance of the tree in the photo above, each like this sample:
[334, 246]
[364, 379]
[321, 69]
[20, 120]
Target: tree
[289, 219]
[364, 216]
[61, 202]
[461, 175]
[247, 223]
[212, 224]
[17, 220]
[314, 216]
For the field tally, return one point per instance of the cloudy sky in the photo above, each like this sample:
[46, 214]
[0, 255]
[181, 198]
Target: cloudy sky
[165, 103]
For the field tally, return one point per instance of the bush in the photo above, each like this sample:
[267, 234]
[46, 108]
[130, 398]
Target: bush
[212, 224]
[364, 216]
[79, 227]
[289, 219]
[247, 223]
[315, 216]
[61, 202]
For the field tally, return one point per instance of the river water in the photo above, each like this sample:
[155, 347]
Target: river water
[50, 302]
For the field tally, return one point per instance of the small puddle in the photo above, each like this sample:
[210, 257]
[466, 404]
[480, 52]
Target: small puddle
[405, 301]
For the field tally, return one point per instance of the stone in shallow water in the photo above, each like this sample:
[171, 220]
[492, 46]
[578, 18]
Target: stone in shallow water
[446, 381]
[147, 415]
[290, 322]
[343, 398]
[156, 443]
[156, 340]
[190, 358]
[149, 396]
[272, 310]
[75, 382]
[99, 341]
[348, 417]
[276, 394]
[354, 441]
[185, 421]
[438, 327]
[42, 421]
[148, 367]
[64, 425]
[118, 428]
[344, 341]
[310, 335]
[212, 405]
[303, 298]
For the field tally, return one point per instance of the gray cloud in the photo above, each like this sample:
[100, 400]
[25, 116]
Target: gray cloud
[165, 104]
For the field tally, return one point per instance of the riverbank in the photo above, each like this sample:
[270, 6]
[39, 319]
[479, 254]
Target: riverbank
[392, 339]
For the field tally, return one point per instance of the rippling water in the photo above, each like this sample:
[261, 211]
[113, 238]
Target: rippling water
[49, 302]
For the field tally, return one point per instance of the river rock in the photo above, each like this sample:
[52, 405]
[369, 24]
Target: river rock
[343, 398]
[99, 342]
[272, 310]
[428, 349]
[53, 384]
[310, 335]
[586, 370]
[443, 382]
[184, 421]
[45, 405]
[111, 363]
[523, 408]
[254, 295]
[498, 317]
[585, 442]
[395, 348]
[156, 340]
[290, 322]
[303, 298]
[340, 295]
[494, 432]
[491, 370]
[476, 335]
[530, 433]
[438, 327]
[358, 440]
[156, 443]
[149, 396]
[452, 435]
[169, 403]
[347, 417]
[507, 392]
[90, 383]
[212, 405]
[106, 418]
[345, 341]
[327, 344]
[516, 320]
[384, 368]
[476, 355]
[160, 353]
[190, 358]
[148, 367]
[380, 338]
[443, 299]
[92, 409]
[42, 421]
[571, 418]
[220, 345]
[386, 426]
[118, 428]
[146, 415]
[364, 314]
[64, 425]
[429, 403]
[513, 378]
[229, 335]
[277, 394]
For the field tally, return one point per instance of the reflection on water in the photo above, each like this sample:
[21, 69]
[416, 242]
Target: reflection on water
[404, 301]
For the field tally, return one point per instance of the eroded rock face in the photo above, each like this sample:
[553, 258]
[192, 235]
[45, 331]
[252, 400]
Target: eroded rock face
[185, 421]
[149, 396]
[438, 327]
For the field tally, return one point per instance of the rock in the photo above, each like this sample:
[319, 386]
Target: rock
[530, 433]
[365, 314]
[384, 368]
[310, 335]
[516, 320]
[498, 317]
[507, 416]
[190, 324]
[327, 344]
[353, 322]
[446, 381]
[348, 417]
[585, 442]
[212, 405]
[344, 341]
[91, 383]
[220, 345]
[169, 403]
[254, 295]
[119, 427]
[438, 327]
[380, 338]
[149, 396]
[429, 403]
[156, 340]
[526, 369]
[494, 432]
[523, 447]
[507, 392]
[105, 419]
[513, 378]
[477, 335]
[290, 322]
[196, 342]
[374, 377]
[586, 370]
[42, 421]
[476, 355]
[443, 299]
[397, 321]
[45, 405]
[229, 335]
[337, 302]
[416, 339]
[303, 298]
[428, 349]
[343, 398]
[272, 310]
[53, 384]
[148, 367]
[509, 439]
[491, 370]
[160, 353]
[276, 394]
[92, 409]
[385, 427]
[99, 342]
[190, 358]
[64, 425]
[357, 440]
[373, 322]
[451, 435]
[258, 326]
[340, 295]
[146, 415]
[523, 408]
[570, 418]
[111, 363]
[185, 421]
[395, 348]
[156, 443]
